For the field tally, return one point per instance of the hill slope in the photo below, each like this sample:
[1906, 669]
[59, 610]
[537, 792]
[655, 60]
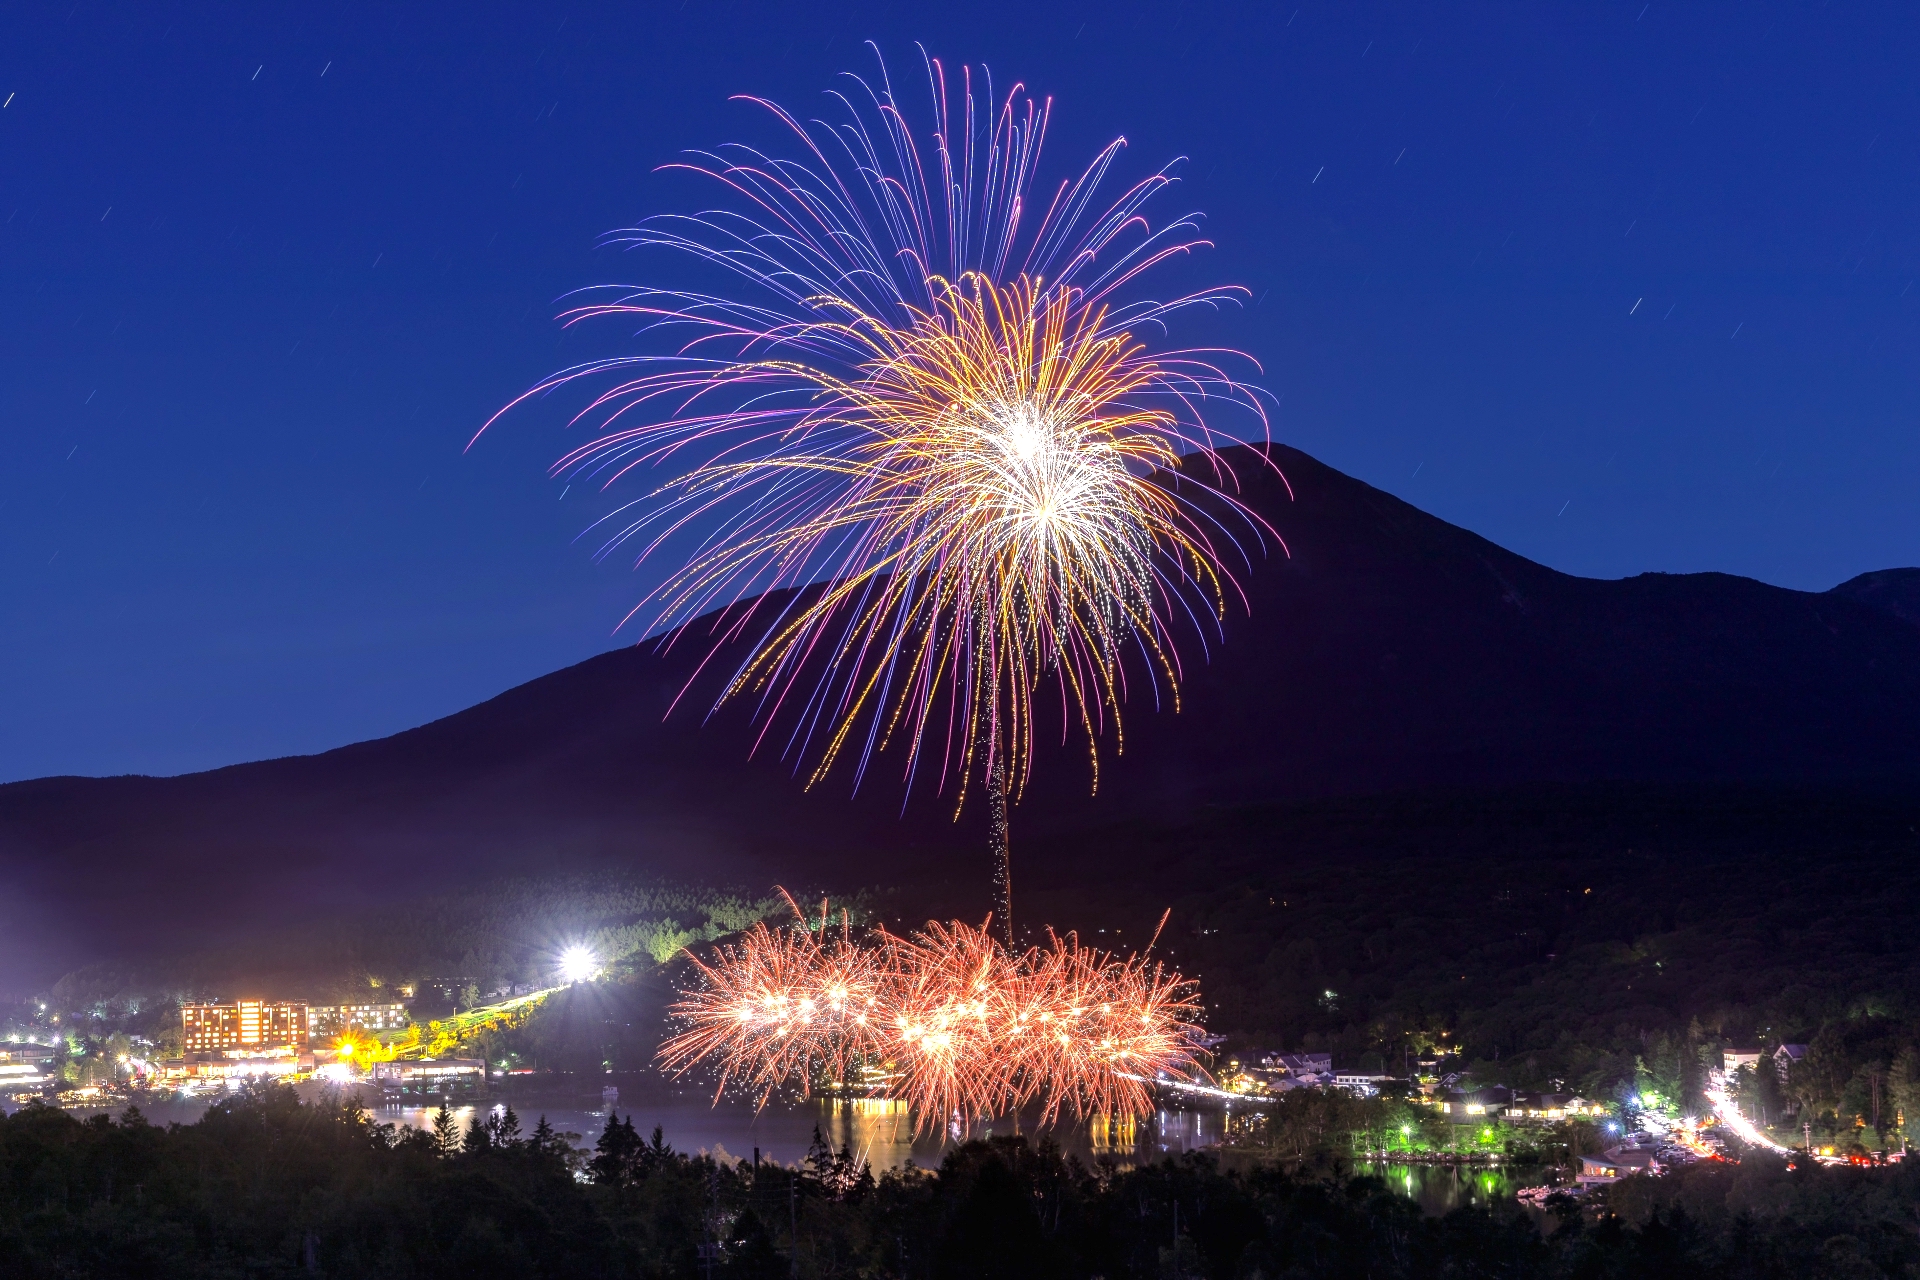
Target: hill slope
[1389, 651]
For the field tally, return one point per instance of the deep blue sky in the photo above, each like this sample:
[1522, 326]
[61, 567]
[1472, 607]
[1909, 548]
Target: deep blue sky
[250, 313]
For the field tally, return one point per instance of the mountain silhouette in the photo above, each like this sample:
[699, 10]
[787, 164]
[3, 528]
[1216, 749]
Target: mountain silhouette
[1895, 591]
[1385, 650]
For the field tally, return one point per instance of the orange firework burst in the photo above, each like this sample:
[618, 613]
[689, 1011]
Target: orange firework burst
[953, 994]
[1110, 1028]
[780, 1005]
[968, 1029]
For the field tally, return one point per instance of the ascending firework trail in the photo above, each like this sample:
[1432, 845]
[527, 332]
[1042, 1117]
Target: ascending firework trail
[999, 850]
[933, 407]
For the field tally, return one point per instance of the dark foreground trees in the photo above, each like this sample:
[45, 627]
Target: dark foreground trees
[265, 1187]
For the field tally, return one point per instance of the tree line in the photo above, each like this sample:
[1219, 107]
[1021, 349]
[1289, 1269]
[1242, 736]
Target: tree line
[265, 1186]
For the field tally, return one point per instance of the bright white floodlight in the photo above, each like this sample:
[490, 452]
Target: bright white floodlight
[577, 964]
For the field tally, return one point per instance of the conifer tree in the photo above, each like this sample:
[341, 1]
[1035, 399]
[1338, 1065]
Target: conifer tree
[446, 1130]
[616, 1153]
[654, 1155]
[479, 1137]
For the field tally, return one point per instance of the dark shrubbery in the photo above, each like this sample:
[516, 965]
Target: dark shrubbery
[264, 1186]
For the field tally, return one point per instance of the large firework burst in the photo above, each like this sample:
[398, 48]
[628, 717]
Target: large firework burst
[934, 413]
[934, 477]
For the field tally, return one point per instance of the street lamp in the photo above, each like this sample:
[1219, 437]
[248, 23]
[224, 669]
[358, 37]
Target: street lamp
[577, 964]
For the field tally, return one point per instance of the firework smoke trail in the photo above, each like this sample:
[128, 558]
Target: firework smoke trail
[968, 1029]
[934, 414]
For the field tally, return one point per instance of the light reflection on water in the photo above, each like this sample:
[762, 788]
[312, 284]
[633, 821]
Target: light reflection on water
[880, 1130]
[1441, 1188]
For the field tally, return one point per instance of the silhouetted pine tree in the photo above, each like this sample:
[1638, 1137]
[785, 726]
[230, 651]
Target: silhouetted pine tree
[479, 1138]
[616, 1155]
[446, 1131]
[655, 1154]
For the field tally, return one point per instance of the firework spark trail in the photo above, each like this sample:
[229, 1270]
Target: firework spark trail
[779, 1006]
[950, 995]
[967, 1028]
[938, 414]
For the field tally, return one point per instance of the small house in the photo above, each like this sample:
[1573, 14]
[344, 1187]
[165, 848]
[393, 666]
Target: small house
[1300, 1064]
[1617, 1163]
[1361, 1083]
[1475, 1105]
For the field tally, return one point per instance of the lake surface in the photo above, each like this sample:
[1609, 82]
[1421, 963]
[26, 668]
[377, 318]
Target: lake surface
[1440, 1189]
[881, 1131]
[878, 1130]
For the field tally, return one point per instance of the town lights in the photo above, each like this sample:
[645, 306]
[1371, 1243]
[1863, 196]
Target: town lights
[577, 964]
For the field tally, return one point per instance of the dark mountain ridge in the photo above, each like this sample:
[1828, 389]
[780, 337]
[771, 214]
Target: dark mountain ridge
[1390, 651]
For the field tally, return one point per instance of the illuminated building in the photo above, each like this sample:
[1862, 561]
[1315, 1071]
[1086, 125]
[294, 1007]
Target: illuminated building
[1364, 1084]
[21, 1077]
[245, 1024]
[430, 1077]
[1619, 1162]
[1553, 1106]
[1464, 1107]
[234, 1065]
[29, 1052]
[335, 1019]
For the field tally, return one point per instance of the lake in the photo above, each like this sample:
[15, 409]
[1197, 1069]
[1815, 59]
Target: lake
[1440, 1189]
[879, 1130]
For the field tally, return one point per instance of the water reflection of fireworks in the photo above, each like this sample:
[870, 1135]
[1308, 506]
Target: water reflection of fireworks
[963, 1027]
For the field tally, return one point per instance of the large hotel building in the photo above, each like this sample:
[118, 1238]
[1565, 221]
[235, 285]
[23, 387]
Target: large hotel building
[245, 1024]
[334, 1019]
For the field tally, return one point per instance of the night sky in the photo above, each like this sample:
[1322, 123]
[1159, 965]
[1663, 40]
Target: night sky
[1624, 287]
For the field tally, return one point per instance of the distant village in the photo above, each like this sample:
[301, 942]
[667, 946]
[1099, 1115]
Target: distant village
[223, 1044]
[378, 1047]
[1640, 1134]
